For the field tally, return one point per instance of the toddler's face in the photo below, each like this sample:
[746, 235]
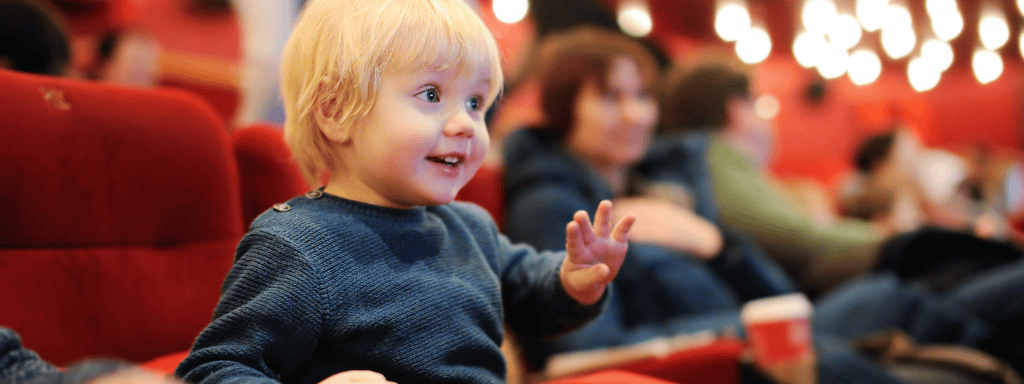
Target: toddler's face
[423, 140]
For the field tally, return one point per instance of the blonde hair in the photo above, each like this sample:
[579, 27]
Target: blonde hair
[339, 49]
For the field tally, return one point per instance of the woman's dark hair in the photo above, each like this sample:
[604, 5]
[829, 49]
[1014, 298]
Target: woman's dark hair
[874, 150]
[568, 60]
[32, 38]
[698, 98]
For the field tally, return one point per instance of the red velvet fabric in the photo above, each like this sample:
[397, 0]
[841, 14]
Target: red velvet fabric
[613, 377]
[268, 173]
[716, 363]
[223, 98]
[121, 214]
[485, 189]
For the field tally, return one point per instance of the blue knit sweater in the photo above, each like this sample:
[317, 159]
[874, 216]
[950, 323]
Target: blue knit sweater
[417, 295]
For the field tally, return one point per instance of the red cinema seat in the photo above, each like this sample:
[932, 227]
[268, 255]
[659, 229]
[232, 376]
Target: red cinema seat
[268, 173]
[120, 217]
[485, 190]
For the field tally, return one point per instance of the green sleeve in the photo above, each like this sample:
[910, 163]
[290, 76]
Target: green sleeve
[819, 256]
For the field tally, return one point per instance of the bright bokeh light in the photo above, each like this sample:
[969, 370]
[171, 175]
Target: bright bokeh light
[898, 37]
[844, 32]
[808, 48]
[993, 31]
[948, 26]
[510, 11]
[898, 42]
[865, 67]
[987, 66]
[634, 19]
[766, 107]
[937, 53]
[871, 13]
[897, 16]
[1020, 43]
[732, 20]
[947, 21]
[754, 46]
[922, 75]
[818, 15]
[834, 62]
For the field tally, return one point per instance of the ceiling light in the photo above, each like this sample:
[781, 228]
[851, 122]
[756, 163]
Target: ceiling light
[834, 62]
[510, 11]
[865, 67]
[922, 75]
[871, 13]
[754, 46]
[818, 15]
[731, 21]
[844, 32]
[987, 66]
[634, 19]
[808, 48]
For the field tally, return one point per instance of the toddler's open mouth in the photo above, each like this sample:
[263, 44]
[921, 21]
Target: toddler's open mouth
[447, 160]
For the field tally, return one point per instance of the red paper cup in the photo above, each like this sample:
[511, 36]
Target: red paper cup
[778, 328]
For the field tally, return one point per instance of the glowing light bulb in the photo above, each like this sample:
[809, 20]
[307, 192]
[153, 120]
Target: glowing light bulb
[634, 19]
[987, 66]
[937, 53]
[1020, 43]
[993, 31]
[808, 48]
[754, 46]
[947, 26]
[865, 67]
[731, 21]
[871, 13]
[834, 62]
[844, 32]
[898, 37]
[510, 11]
[818, 15]
[922, 75]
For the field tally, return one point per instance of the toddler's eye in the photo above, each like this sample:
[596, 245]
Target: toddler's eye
[430, 94]
[475, 103]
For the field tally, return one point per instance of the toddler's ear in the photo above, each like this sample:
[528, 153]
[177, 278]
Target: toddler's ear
[326, 112]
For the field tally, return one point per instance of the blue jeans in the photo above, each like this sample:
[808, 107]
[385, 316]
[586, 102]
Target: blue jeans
[966, 315]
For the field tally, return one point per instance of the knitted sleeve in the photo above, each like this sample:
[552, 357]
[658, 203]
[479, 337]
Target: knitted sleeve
[536, 303]
[22, 366]
[537, 214]
[268, 320]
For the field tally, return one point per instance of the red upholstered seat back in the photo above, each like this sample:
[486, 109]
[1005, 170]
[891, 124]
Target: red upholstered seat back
[485, 190]
[120, 215]
[268, 173]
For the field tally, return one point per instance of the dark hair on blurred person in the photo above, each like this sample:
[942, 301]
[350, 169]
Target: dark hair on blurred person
[566, 61]
[32, 38]
[698, 98]
[874, 151]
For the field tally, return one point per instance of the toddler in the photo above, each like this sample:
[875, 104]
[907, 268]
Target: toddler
[378, 275]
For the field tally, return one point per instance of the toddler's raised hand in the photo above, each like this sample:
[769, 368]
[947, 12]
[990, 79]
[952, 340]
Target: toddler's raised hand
[593, 253]
[351, 377]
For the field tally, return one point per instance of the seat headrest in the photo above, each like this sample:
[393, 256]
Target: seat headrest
[89, 164]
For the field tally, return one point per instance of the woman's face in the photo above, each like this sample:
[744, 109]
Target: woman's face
[613, 128]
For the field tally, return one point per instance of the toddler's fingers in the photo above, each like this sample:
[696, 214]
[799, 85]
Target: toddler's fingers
[621, 231]
[573, 240]
[602, 219]
[586, 230]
